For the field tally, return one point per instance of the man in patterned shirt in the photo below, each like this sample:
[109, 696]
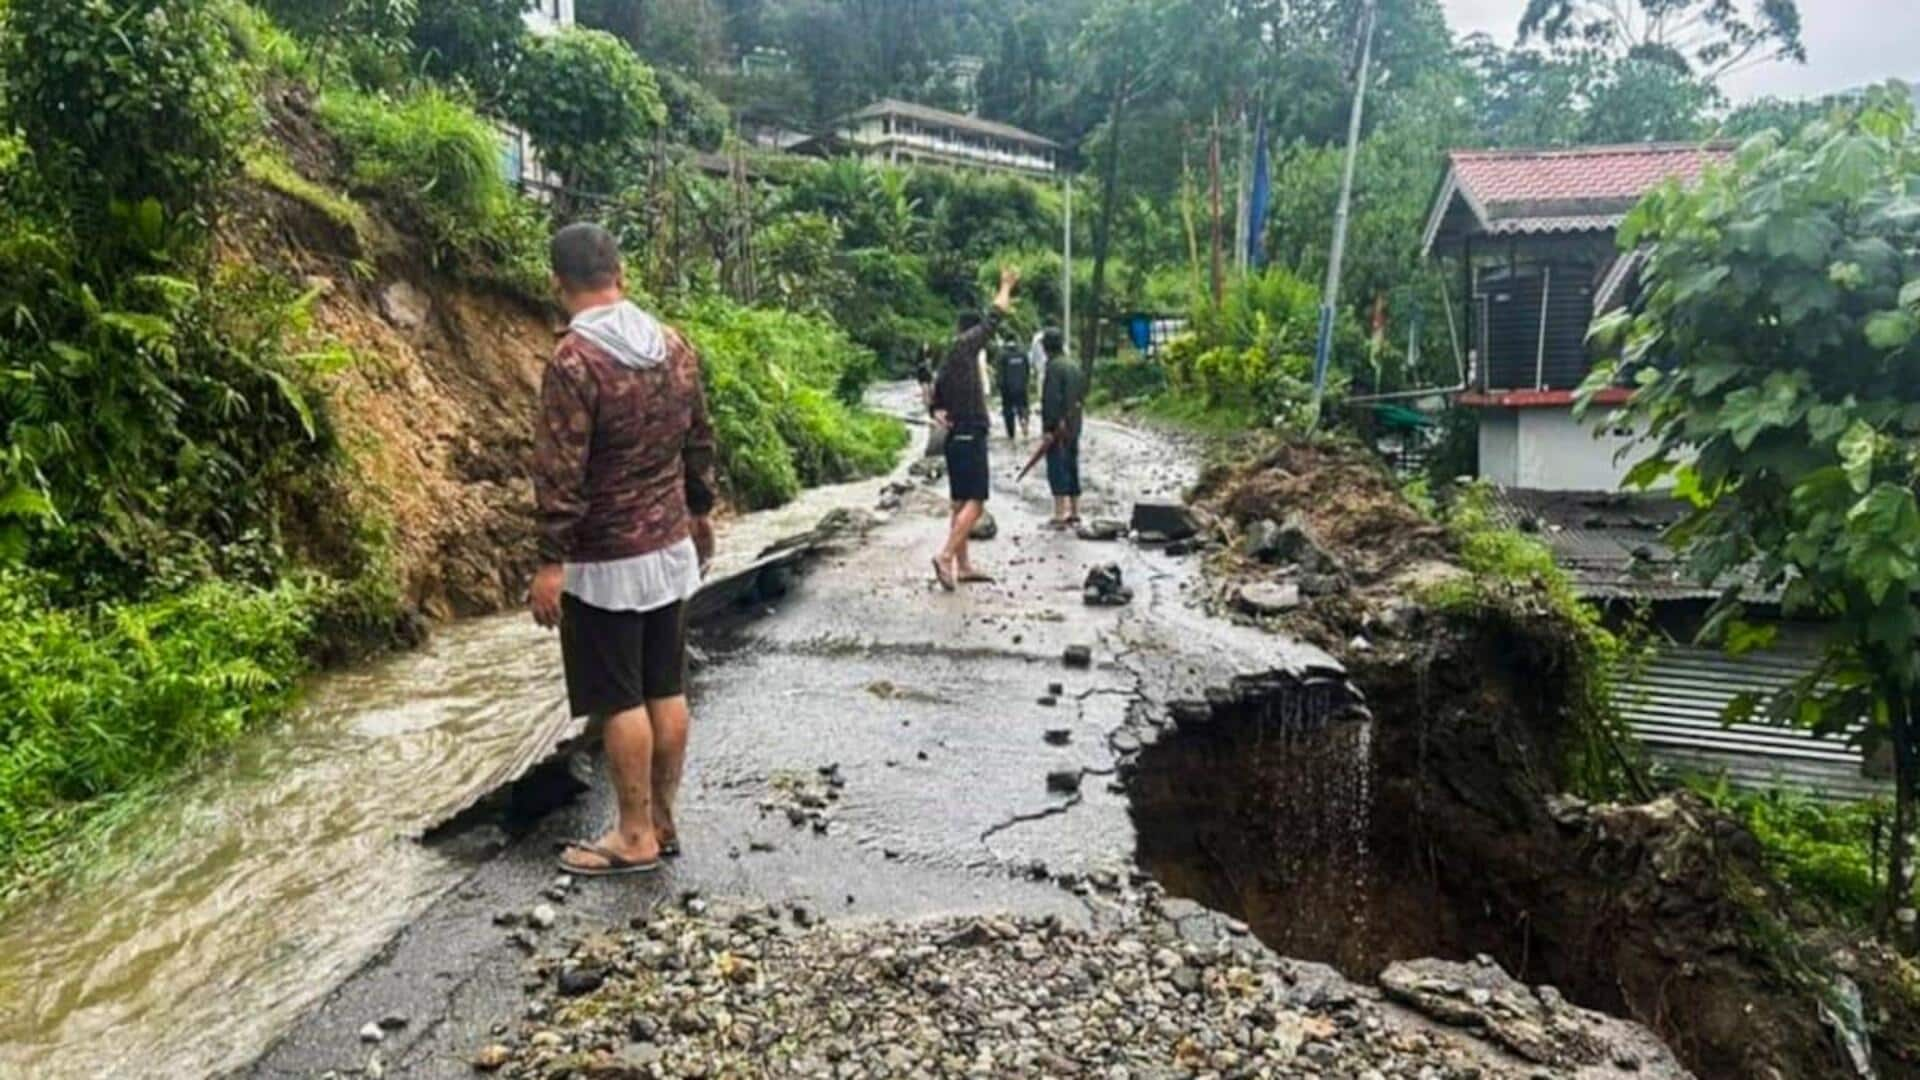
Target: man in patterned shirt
[623, 472]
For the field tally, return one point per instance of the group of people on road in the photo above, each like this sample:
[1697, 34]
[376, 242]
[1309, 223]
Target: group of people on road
[624, 484]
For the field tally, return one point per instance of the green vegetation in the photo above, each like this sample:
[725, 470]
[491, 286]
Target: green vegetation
[267, 166]
[780, 390]
[439, 160]
[98, 703]
[1825, 851]
[1512, 577]
[590, 105]
[1777, 360]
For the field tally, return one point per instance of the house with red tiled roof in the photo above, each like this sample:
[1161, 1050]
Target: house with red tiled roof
[1533, 235]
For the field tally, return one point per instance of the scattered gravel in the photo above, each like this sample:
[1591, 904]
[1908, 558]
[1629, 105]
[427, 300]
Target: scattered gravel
[752, 996]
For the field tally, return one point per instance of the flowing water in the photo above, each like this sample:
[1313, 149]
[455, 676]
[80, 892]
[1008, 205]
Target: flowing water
[256, 886]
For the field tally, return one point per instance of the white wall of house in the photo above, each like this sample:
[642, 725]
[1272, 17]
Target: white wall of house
[547, 16]
[1547, 449]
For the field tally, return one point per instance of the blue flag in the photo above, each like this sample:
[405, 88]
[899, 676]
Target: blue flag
[1260, 201]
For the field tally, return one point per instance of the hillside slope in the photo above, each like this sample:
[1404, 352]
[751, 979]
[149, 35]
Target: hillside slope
[435, 407]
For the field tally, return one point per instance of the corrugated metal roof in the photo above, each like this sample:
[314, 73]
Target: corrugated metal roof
[1607, 542]
[1675, 702]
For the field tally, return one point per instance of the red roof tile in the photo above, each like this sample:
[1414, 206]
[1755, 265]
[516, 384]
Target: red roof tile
[1581, 189]
[1589, 173]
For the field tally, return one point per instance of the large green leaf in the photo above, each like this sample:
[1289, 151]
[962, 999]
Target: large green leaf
[1856, 455]
[1890, 329]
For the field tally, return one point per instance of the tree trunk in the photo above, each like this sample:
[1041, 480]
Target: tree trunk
[1213, 173]
[1103, 238]
[1900, 844]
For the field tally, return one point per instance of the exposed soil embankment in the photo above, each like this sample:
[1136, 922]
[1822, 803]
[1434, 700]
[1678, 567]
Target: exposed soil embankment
[1440, 827]
[435, 406]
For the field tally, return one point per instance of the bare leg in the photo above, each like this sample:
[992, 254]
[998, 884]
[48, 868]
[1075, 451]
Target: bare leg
[669, 758]
[963, 522]
[630, 767]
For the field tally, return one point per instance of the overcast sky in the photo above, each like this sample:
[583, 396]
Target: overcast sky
[1849, 43]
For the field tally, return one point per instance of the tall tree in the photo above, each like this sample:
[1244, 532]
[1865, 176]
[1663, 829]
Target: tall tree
[1707, 39]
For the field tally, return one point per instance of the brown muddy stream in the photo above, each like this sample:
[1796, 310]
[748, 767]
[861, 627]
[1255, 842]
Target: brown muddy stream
[255, 887]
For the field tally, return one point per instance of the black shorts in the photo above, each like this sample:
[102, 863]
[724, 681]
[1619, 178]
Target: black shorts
[967, 476]
[1063, 470]
[620, 660]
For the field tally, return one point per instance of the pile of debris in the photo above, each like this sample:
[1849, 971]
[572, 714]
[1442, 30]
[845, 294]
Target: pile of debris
[1316, 538]
[748, 995]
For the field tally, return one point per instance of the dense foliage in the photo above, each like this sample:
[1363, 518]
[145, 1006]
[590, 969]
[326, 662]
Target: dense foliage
[781, 389]
[589, 104]
[123, 100]
[1777, 359]
[438, 159]
[98, 702]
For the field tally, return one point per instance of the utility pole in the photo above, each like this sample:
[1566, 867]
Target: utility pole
[1330, 296]
[1066, 278]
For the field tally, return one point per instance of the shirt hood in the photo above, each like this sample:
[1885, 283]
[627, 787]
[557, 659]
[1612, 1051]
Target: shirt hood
[628, 334]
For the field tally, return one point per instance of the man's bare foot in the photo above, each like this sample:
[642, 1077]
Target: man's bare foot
[969, 575]
[610, 852]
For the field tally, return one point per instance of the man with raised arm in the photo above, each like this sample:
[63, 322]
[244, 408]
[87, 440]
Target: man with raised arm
[959, 404]
[623, 472]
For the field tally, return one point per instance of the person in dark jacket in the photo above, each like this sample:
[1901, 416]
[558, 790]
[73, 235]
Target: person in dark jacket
[623, 477]
[959, 405]
[1016, 380]
[1063, 399]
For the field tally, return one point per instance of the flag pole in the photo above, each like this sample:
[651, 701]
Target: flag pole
[1330, 296]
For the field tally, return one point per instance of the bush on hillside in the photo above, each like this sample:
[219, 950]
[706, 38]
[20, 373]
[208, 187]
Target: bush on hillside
[125, 100]
[780, 389]
[694, 117]
[437, 157]
[589, 104]
[1254, 352]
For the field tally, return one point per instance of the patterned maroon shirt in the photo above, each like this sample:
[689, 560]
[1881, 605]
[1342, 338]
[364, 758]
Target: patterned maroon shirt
[622, 456]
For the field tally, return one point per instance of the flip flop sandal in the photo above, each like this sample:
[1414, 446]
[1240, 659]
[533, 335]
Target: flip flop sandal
[670, 849]
[617, 866]
[976, 579]
[944, 576]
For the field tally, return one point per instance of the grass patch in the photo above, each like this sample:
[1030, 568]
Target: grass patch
[1191, 412]
[100, 704]
[434, 156]
[269, 168]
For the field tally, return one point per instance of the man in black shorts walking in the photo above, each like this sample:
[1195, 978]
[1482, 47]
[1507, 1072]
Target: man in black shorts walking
[623, 473]
[959, 404]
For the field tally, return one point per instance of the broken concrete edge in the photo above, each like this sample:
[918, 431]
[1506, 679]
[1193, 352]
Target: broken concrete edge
[559, 733]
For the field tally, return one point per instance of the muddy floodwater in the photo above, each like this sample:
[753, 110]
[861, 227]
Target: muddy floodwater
[255, 887]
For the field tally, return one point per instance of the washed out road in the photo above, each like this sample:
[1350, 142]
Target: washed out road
[864, 747]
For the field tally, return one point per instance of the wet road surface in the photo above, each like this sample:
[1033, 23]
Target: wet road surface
[926, 705]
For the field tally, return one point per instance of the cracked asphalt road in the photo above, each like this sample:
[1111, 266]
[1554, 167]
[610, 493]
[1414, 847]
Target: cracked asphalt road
[930, 706]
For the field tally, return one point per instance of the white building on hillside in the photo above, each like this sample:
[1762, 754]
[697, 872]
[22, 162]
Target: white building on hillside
[900, 132]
